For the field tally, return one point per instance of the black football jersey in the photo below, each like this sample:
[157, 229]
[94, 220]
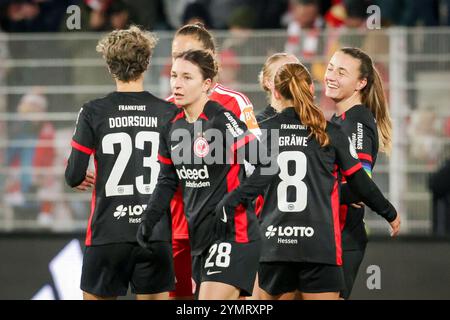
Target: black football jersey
[121, 131]
[300, 217]
[359, 124]
[188, 155]
[268, 112]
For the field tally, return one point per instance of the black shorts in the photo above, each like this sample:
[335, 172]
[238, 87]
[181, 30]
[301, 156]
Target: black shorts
[109, 269]
[232, 263]
[351, 260]
[282, 277]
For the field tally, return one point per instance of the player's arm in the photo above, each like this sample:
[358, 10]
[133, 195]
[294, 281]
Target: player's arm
[364, 151]
[247, 147]
[162, 195]
[76, 173]
[248, 117]
[360, 183]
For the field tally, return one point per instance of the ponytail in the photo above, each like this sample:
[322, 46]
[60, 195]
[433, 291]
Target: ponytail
[375, 100]
[293, 82]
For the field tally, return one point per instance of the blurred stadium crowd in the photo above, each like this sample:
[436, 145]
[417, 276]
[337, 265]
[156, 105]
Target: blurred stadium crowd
[102, 15]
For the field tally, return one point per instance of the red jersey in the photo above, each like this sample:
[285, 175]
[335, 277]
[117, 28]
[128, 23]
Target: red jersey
[241, 106]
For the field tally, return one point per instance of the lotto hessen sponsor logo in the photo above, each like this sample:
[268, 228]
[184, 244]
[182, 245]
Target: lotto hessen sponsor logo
[136, 210]
[191, 177]
[201, 147]
[271, 230]
[289, 234]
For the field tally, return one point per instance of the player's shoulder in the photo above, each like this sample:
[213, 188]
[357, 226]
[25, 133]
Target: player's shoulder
[268, 112]
[270, 121]
[214, 110]
[362, 114]
[97, 102]
[226, 95]
[155, 102]
[334, 131]
[224, 119]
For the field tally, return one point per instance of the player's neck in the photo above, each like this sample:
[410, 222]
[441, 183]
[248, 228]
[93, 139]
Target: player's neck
[132, 86]
[276, 104]
[281, 104]
[194, 110]
[345, 104]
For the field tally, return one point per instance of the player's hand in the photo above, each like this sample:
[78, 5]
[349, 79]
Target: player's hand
[358, 205]
[222, 221]
[224, 215]
[395, 226]
[144, 232]
[88, 182]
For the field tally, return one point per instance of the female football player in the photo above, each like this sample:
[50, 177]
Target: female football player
[200, 149]
[117, 130]
[353, 83]
[197, 37]
[301, 237]
[266, 77]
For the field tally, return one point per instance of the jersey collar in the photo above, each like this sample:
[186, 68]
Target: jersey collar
[289, 112]
[207, 113]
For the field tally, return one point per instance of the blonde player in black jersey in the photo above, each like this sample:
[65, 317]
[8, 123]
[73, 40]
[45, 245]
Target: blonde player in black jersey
[266, 78]
[354, 84]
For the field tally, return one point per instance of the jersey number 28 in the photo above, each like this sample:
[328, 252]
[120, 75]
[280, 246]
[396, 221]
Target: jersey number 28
[112, 187]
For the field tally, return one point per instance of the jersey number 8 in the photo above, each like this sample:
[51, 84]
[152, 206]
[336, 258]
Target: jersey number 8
[293, 181]
[112, 187]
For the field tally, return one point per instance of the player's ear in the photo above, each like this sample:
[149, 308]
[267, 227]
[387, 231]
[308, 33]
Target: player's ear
[207, 84]
[312, 89]
[362, 83]
[276, 94]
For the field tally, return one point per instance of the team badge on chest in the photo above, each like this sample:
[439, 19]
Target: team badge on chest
[201, 147]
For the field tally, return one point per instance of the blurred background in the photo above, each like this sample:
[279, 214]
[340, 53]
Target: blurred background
[49, 68]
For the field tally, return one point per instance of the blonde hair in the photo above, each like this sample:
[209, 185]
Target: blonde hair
[293, 82]
[267, 73]
[373, 96]
[127, 52]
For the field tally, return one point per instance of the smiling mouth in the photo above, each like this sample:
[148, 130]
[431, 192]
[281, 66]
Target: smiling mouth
[331, 86]
[178, 95]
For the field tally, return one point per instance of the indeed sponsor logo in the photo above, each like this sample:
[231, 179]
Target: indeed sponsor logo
[191, 177]
[193, 174]
[132, 211]
[284, 233]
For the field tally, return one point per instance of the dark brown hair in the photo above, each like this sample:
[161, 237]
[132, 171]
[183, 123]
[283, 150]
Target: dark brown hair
[127, 52]
[373, 97]
[203, 59]
[198, 31]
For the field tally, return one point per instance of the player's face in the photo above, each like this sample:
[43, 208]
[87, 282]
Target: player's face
[342, 77]
[187, 83]
[182, 43]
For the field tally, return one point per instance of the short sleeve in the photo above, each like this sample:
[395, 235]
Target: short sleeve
[83, 137]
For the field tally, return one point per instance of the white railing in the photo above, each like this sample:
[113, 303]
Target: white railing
[68, 71]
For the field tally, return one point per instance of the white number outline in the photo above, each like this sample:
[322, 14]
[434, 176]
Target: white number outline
[112, 186]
